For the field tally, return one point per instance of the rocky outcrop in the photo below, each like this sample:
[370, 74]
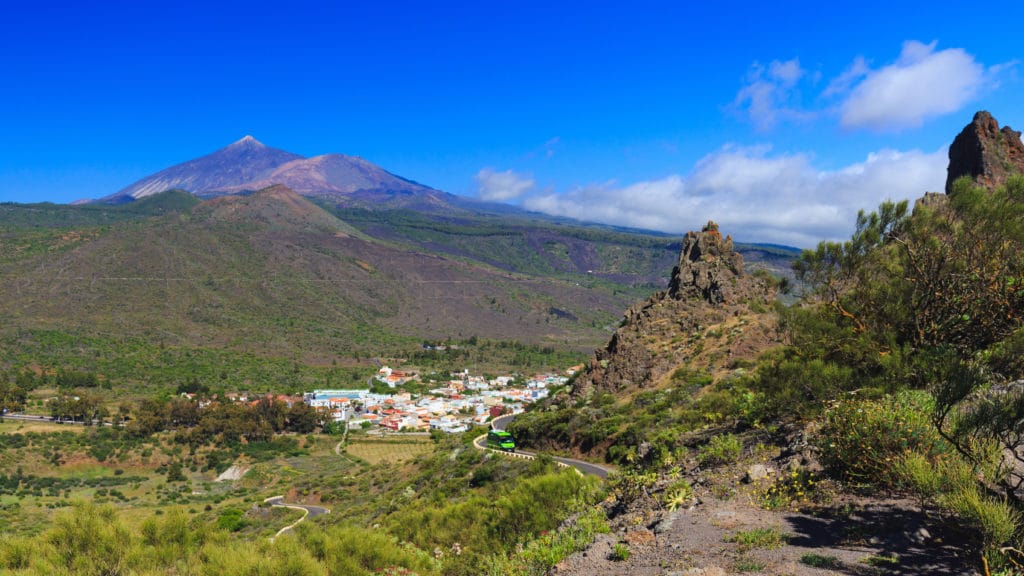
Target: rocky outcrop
[985, 153]
[703, 321]
[708, 268]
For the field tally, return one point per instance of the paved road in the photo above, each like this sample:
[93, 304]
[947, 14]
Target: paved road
[311, 511]
[501, 423]
[37, 418]
[26, 417]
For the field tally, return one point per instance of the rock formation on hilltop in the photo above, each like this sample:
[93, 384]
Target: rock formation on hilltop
[703, 321]
[708, 267]
[985, 153]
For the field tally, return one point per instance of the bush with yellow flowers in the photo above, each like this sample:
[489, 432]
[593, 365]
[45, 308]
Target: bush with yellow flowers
[792, 490]
[861, 441]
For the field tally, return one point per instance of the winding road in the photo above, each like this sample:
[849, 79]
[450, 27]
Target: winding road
[311, 512]
[501, 422]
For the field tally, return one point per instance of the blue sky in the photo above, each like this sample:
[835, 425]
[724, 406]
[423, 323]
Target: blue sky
[778, 120]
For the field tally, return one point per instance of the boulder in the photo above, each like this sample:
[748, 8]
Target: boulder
[756, 473]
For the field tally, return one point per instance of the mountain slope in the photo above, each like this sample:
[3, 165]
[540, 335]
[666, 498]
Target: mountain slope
[273, 273]
[331, 175]
[534, 245]
[276, 207]
[248, 165]
[243, 161]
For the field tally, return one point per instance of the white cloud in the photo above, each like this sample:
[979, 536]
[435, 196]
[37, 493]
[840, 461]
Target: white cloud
[842, 83]
[921, 84]
[501, 186]
[756, 196]
[769, 95]
[786, 73]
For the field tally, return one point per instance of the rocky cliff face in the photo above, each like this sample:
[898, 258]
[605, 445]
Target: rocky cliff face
[985, 153]
[704, 321]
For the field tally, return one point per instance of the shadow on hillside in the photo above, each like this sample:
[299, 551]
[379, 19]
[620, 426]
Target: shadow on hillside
[888, 531]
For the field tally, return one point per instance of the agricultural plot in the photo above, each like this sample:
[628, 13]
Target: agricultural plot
[374, 451]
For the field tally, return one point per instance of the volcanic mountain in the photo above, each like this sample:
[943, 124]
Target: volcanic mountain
[248, 165]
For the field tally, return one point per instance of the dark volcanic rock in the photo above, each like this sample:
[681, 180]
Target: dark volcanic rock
[708, 293]
[985, 152]
[707, 267]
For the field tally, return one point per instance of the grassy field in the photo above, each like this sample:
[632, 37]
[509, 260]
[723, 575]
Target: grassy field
[377, 451]
[60, 469]
[57, 465]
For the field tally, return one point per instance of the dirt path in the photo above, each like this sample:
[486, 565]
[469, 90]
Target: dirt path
[866, 537]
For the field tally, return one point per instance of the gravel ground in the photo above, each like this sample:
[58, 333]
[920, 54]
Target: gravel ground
[855, 536]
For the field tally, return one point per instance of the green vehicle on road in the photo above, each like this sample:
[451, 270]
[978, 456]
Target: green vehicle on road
[501, 440]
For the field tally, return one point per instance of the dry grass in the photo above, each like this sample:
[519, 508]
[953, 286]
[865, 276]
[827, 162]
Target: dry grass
[378, 451]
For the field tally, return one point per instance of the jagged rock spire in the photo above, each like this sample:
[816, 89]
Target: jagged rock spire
[985, 152]
[708, 267]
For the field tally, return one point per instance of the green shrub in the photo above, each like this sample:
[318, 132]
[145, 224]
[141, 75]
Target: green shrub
[821, 561]
[953, 484]
[358, 551]
[792, 489]
[620, 552]
[862, 441]
[90, 540]
[996, 520]
[724, 449]
[629, 485]
[231, 520]
[175, 473]
[769, 538]
[517, 512]
[551, 548]
[921, 476]
[16, 553]
[679, 494]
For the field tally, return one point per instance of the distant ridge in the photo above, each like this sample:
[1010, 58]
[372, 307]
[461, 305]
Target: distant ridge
[276, 206]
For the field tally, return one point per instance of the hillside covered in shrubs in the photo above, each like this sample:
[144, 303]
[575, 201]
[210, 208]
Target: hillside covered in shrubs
[899, 372]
